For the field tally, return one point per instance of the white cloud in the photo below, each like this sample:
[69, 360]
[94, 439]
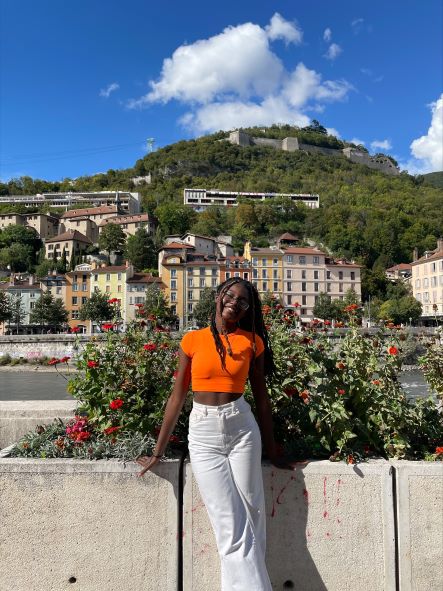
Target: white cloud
[380, 145]
[357, 25]
[357, 141]
[279, 28]
[428, 149]
[333, 131]
[106, 92]
[235, 79]
[333, 52]
[327, 35]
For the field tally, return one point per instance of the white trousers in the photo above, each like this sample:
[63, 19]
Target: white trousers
[225, 451]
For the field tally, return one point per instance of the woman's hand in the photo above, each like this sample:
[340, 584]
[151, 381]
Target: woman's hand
[148, 462]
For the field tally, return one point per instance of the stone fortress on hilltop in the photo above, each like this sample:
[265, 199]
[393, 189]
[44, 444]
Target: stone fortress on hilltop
[291, 144]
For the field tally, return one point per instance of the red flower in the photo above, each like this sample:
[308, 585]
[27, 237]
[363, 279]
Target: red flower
[304, 395]
[75, 329]
[350, 459]
[174, 439]
[92, 364]
[81, 436]
[113, 301]
[366, 449]
[110, 430]
[327, 323]
[107, 326]
[392, 350]
[53, 361]
[150, 347]
[351, 308]
[439, 451]
[116, 404]
[340, 365]
[341, 392]
[376, 382]
[64, 359]
[296, 305]
[290, 391]
[139, 305]
[266, 309]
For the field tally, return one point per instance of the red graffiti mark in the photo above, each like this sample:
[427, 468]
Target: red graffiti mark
[306, 495]
[339, 482]
[194, 509]
[278, 499]
[325, 514]
[279, 502]
[325, 499]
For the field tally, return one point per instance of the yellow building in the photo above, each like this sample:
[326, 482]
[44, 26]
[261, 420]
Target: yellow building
[267, 269]
[427, 282]
[112, 280]
[136, 287]
[131, 223]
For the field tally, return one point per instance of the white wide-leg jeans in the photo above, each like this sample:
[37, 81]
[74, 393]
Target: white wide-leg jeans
[225, 451]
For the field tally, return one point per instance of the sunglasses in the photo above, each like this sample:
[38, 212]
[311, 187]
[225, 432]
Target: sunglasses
[241, 302]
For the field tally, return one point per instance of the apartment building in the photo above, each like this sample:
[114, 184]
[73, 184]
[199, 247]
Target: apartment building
[26, 293]
[427, 282]
[309, 271]
[45, 225]
[55, 284]
[235, 266]
[78, 292]
[72, 242]
[126, 201]
[201, 199]
[136, 287]
[403, 272]
[112, 280]
[267, 269]
[131, 223]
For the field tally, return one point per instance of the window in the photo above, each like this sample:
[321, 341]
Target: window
[130, 299]
[190, 270]
[315, 274]
[75, 287]
[264, 262]
[214, 282]
[352, 276]
[174, 283]
[316, 260]
[433, 267]
[96, 289]
[173, 272]
[190, 308]
[340, 275]
[108, 277]
[236, 274]
[433, 281]
[302, 260]
[265, 286]
[32, 294]
[31, 305]
[203, 281]
[58, 290]
[303, 274]
[173, 310]
[119, 276]
[75, 301]
[254, 260]
[190, 295]
[328, 287]
[340, 287]
[108, 289]
[228, 275]
[288, 274]
[246, 276]
[315, 286]
[275, 262]
[173, 296]
[425, 282]
[190, 282]
[289, 258]
[202, 270]
[214, 272]
[74, 314]
[304, 300]
[288, 286]
[328, 274]
[84, 287]
[264, 274]
[84, 300]
[275, 286]
[119, 288]
[303, 311]
[303, 286]
[50, 247]
[275, 274]
[254, 273]
[417, 283]
[95, 277]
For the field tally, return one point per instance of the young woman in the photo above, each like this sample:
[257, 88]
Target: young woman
[224, 439]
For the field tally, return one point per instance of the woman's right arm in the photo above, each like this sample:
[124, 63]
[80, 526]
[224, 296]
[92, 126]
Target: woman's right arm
[173, 409]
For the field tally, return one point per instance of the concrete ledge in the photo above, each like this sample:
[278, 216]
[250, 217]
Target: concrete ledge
[95, 522]
[17, 417]
[420, 524]
[330, 527]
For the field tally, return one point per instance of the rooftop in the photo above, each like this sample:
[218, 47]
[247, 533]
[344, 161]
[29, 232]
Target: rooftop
[70, 235]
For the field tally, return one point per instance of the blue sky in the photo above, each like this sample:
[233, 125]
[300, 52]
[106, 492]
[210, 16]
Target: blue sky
[85, 83]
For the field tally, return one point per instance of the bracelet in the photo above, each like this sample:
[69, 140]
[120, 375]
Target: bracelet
[157, 456]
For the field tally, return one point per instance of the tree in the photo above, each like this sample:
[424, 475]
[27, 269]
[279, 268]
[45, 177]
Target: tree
[325, 308]
[5, 307]
[156, 305]
[175, 218]
[111, 239]
[403, 310]
[140, 250]
[17, 310]
[205, 307]
[49, 311]
[97, 308]
[17, 257]
[64, 261]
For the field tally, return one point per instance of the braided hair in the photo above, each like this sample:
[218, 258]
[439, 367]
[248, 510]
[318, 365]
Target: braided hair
[252, 322]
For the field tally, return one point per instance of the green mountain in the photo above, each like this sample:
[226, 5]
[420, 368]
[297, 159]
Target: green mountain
[364, 214]
[434, 179]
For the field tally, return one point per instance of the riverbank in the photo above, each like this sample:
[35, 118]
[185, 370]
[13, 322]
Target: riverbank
[25, 367]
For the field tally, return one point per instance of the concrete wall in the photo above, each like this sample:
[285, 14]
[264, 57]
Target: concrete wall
[35, 346]
[330, 527]
[18, 417]
[420, 525]
[94, 521]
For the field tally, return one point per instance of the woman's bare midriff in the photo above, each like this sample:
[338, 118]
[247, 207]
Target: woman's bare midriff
[216, 398]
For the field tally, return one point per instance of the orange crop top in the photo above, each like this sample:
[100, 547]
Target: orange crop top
[207, 372]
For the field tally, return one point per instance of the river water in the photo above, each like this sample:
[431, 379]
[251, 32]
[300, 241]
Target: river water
[31, 385]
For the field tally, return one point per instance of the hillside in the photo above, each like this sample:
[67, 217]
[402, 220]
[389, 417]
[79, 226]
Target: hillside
[435, 179]
[364, 214]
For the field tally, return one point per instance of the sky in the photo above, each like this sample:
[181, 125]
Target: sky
[84, 85]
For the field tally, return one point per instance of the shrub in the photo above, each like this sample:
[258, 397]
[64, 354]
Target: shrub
[5, 359]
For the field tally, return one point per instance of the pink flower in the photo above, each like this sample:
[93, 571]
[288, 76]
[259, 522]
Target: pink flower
[341, 392]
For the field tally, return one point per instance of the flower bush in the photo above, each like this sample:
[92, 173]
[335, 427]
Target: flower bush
[337, 398]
